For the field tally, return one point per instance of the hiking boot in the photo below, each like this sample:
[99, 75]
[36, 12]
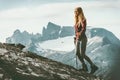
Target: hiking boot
[84, 68]
[93, 69]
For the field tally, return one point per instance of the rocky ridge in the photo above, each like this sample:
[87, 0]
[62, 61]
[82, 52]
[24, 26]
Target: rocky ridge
[18, 64]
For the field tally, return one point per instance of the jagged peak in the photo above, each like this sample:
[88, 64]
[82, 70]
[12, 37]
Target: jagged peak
[17, 31]
[25, 32]
[50, 24]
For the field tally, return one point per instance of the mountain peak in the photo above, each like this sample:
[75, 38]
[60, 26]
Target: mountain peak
[17, 31]
[105, 34]
[51, 24]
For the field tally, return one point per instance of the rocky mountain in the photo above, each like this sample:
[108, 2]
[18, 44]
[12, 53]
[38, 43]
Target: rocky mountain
[52, 31]
[23, 37]
[66, 31]
[18, 64]
[108, 37]
[103, 47]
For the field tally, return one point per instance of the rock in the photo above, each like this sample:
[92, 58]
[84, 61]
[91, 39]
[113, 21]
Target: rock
[37, 67]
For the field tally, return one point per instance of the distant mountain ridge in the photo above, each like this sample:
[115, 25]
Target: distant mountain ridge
[52, 31]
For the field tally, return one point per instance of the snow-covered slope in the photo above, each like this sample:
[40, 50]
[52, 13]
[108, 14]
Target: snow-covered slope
[102, 47]
[60, 44]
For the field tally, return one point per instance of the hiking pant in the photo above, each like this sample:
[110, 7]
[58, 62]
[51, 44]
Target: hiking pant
[81, 49]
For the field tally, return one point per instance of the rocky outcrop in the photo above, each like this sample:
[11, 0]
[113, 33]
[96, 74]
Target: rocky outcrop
[51, 32]
[66, 31]
[16, 64]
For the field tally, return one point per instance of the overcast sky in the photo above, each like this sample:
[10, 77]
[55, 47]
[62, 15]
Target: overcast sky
[32, 15]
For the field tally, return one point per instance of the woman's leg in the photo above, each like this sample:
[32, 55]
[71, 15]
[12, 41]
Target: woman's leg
[78, 53]
[83, 49]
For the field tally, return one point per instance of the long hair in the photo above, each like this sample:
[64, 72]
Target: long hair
[80, 16]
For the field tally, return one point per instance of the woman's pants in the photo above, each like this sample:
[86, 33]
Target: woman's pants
[81, 49]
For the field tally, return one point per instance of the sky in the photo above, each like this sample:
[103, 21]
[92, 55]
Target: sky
[33, 15]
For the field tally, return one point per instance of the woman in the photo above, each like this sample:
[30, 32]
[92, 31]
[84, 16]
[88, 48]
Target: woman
[80, 28]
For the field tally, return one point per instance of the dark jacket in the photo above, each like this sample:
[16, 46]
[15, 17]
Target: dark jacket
[80, 30]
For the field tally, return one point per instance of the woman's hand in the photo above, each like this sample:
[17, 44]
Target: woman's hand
[75, 40]
[78, 36]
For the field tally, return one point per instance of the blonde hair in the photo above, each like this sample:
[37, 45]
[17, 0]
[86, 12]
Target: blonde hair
[80, 17]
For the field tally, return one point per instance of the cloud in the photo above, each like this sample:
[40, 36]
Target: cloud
[33, 18]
